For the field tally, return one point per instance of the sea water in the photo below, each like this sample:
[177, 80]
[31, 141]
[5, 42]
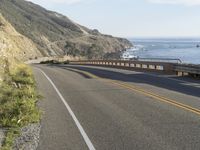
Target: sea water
[185, 49]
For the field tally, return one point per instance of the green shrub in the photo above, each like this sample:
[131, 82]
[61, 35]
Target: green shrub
[18, 98]
[51, 62]
[47, 62]
[66, 62]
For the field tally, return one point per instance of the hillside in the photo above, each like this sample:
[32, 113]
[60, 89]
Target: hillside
[13, 44]
[55, 34]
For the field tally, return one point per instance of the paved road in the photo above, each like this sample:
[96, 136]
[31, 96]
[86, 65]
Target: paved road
[130, 111]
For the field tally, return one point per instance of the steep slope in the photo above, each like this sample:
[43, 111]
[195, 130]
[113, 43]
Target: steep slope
[15, 45]
[55, 34]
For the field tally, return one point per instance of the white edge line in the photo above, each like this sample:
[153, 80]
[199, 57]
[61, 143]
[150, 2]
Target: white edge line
[83, 133]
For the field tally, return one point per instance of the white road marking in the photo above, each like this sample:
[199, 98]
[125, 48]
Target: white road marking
[83, 133]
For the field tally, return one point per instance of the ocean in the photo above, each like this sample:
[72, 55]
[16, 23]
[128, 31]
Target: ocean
[185, 49]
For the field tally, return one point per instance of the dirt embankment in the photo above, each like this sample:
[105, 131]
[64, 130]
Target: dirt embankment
[15, 45]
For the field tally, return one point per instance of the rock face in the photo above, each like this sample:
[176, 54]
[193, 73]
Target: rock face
[15, 45]
[55, 34]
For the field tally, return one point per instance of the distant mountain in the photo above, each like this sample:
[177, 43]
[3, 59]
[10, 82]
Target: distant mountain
[55, 34]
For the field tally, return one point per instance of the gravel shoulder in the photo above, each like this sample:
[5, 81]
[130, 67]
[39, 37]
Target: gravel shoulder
[2, 135]
[29, 138]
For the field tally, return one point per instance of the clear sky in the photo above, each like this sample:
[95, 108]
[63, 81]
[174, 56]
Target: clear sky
[133, 18]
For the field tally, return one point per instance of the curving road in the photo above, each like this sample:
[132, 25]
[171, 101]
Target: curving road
[87, 107]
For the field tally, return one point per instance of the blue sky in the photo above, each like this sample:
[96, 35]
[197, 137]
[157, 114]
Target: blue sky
[133, 18]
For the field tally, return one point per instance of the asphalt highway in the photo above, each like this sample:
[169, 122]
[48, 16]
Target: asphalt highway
[87, 107]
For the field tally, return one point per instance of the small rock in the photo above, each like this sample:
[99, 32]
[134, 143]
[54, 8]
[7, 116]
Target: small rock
[29, 138]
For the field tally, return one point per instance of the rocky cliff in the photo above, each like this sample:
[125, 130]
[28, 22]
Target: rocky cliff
[15, 45]
[55, 34]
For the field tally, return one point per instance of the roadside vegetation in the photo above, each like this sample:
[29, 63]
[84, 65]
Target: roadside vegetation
[55, 62]
[18, 98]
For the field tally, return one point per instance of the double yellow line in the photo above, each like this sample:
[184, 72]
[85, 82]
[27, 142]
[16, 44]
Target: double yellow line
[144, 92]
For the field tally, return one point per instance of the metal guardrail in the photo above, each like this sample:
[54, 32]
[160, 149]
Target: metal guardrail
[169, 60]
[133, 64]
[166, 67]
[187, 68]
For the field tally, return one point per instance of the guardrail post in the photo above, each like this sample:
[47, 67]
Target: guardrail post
[156, 66]
[169, 68]
[132, 65]
[179, 73]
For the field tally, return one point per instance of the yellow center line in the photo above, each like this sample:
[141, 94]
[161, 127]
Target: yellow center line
[158, 97]
[144, 92]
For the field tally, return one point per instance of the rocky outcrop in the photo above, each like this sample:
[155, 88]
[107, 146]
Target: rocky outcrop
[14, 45]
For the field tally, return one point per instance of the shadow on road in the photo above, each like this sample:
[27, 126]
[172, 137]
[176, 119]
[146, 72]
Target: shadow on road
[175, 85]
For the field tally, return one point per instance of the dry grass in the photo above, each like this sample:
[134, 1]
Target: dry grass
[18, 98]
